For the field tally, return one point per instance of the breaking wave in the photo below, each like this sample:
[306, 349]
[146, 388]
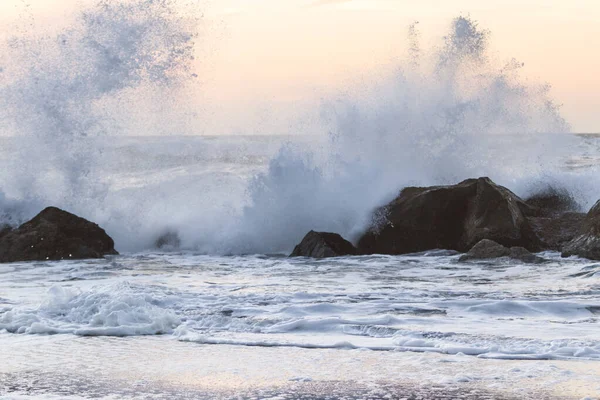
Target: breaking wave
[324, 306]
[117, 310]
[443, 115]
[60, 92]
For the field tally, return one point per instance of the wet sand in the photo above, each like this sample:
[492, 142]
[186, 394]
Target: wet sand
[63, 366]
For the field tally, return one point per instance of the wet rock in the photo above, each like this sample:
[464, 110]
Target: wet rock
[553, 202]
[587, 242]
[524, 255]
[4, 229]
[55, 234]
[555, 232]
[488, 249]
[557, 217]
[323, 245]
[450, 217]
[168, 241]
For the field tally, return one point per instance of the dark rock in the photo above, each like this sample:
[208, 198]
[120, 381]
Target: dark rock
[168, 241]
[4, 229]
[587, 243]
[323, 245]
[522, 254]
[553, 202]
[555, 232]
[488, 249]
[557, 217]
[55, 234]
[451, 217]
[485, 249]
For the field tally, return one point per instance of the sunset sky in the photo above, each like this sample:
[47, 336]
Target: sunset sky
[257, 56]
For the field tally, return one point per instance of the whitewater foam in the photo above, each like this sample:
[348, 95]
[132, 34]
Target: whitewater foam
[414, 303]
[111, 311]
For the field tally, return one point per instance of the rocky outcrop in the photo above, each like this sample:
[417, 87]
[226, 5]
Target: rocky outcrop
[323, 245]
[587, 242]
[488, 249]
[451, 217]
[55, 234]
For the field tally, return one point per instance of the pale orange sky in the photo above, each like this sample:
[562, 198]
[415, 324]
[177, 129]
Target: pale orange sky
[263, 60]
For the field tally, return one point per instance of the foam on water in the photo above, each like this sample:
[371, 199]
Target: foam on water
[417, 303]
[117, 310]
[443, 115]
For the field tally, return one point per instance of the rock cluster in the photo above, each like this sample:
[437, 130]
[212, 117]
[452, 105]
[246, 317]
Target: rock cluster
[475, 216]
[451, 217]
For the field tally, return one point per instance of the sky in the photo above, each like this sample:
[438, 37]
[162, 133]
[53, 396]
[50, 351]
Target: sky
[265, 60]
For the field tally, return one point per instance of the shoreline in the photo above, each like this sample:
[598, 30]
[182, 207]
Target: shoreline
[65, 365]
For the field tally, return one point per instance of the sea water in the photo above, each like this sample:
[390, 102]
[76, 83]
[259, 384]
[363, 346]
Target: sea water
[222, 312]
[187, 325]
[190, 324]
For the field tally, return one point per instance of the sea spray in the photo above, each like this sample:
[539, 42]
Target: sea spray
[61, 91]
[443, 115]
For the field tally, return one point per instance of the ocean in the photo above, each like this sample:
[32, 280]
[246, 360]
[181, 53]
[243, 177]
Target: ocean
[219, 311]
[192, 323]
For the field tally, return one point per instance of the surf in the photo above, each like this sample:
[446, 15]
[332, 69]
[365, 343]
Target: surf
[77, 137]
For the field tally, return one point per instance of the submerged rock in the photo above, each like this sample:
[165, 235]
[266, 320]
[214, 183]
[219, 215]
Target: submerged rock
[55, 234]
[524, 255]
[488, 249]
[168, 241]
[451, 217]
[587, 243]
[323, 245]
